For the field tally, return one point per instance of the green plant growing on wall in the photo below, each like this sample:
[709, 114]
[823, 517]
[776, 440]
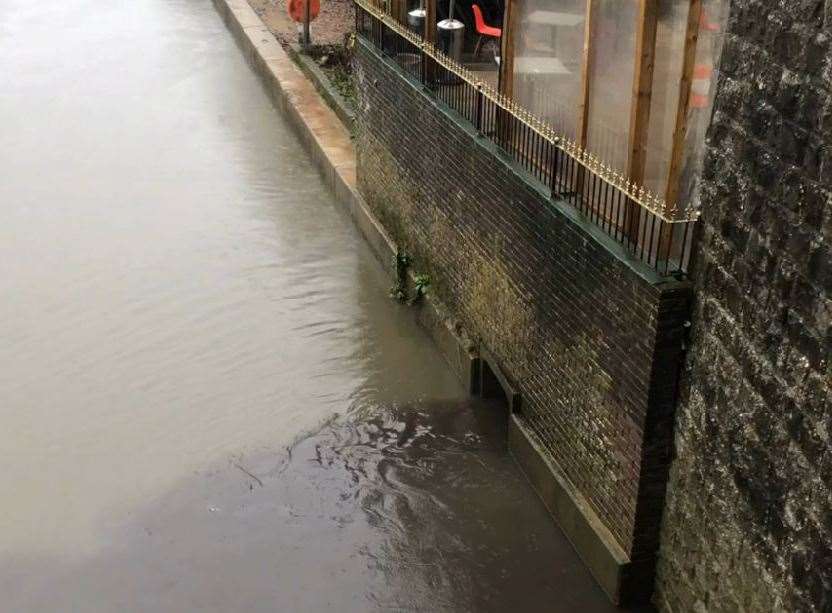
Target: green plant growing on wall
[420, 288]
[399, 290]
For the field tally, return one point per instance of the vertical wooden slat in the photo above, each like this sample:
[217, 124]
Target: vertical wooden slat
[430, 21]
[506, 76]
[586, 71]
[642, 87]
[399, 10]
[685, 84]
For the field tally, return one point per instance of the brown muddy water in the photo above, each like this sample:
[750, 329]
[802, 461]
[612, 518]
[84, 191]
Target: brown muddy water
[208, 401]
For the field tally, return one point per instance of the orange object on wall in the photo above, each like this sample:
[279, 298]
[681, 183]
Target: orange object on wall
[296, 9]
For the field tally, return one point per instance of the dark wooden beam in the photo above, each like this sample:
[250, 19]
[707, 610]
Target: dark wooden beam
[399, 10]
[586, 71]
[645, 60]
[506, 76]
[430, 21]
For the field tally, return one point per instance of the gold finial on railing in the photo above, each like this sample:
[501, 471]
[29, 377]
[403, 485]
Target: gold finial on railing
[658, 205]
[652, 201]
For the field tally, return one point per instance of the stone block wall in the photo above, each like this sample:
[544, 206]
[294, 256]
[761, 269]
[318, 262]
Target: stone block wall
[748, 521]
[591, 338]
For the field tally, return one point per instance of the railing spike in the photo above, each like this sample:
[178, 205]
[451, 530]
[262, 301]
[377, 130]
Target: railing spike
[654, 202]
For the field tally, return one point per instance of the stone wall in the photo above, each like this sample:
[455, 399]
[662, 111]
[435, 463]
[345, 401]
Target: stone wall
[748, 522]
[591, 338]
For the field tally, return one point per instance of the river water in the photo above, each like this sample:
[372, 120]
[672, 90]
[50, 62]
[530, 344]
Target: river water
[208, 400]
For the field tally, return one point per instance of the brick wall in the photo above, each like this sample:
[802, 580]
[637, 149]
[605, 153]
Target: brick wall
[590, 338]
[748, 523]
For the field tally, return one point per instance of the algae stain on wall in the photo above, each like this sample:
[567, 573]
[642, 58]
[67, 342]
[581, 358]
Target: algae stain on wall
[503, 317]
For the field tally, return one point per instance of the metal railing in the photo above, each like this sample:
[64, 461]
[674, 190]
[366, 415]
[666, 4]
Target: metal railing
[657, 233]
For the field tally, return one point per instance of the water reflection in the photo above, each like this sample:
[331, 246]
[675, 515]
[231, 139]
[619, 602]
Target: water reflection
[407, 508]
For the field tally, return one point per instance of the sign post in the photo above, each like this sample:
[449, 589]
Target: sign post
[307, 42]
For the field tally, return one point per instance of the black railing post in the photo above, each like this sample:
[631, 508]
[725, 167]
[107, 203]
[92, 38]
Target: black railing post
[479, 109]
[631, 223]
[553, 177]
[684, 250]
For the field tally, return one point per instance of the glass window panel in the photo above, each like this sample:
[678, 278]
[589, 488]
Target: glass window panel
[705, 74]
[664, 101]
[547, 60]
[612, 46]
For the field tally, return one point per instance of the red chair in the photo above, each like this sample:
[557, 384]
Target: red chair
[483, 29]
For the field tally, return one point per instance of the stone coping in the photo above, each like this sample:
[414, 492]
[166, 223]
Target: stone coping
[315, 74]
